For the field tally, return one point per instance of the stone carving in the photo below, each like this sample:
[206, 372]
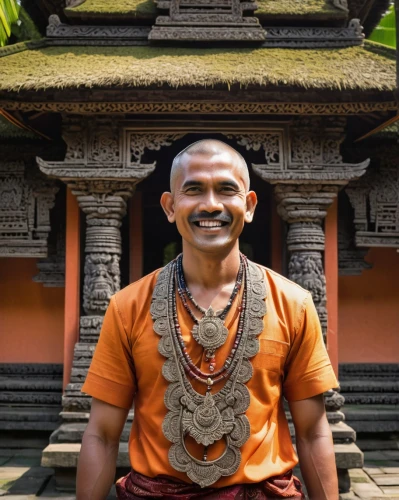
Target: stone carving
[306, 269]
[65, 34]
[52, 269]
[311, 37]
[333, 400]
[101, 281]
[350, 259]
[104, 203]
[153, 142]
[90, 327]
[375, 201]
[203, 20]
[97, 152]
[25, 203]
[270, 142]
[340, 4]
[312, 155]
[189, 107]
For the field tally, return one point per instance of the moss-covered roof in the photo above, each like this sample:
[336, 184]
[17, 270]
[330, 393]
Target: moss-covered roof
[135, 8]
[147, 8]
[87, 67]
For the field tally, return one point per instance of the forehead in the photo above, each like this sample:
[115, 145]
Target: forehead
[215, 166]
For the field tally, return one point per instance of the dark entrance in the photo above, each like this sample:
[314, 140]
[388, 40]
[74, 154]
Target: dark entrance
[162, 242]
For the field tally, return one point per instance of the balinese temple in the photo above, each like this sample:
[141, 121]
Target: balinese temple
[94, 106]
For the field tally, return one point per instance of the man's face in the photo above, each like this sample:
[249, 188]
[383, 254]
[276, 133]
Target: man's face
[209, 201]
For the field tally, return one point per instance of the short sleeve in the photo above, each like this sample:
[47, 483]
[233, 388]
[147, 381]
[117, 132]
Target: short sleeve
[111, 376]
[308, 369]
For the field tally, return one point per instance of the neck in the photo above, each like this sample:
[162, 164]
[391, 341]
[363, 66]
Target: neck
[208, 270]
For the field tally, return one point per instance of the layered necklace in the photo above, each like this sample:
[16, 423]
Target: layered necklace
[216, 415]
[210, 331]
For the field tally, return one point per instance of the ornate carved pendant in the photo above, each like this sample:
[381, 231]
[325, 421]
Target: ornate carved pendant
[213, 417]
[210, 331]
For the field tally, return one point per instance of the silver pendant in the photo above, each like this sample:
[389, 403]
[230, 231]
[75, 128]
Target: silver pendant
[210, 331]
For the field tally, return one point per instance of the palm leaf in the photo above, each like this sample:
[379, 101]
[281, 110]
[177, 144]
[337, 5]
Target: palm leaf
[9, 12]
[385, 32]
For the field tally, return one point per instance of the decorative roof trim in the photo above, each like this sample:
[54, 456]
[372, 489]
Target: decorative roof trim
[206, 107]
[8, 50]
[307, 37]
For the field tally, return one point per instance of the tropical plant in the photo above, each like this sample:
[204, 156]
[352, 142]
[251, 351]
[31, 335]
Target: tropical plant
[385, 32]
[9, 13]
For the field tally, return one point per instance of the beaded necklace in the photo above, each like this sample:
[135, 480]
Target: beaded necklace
[209, 331]
[191, 369]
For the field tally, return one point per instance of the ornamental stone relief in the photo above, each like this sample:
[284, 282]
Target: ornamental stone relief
[375, 200]
[194, 20]
[101, 281]
[26, 199]
[52, 268]
[350, 259]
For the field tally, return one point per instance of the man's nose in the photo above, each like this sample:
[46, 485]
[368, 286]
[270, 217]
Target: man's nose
[210, 202]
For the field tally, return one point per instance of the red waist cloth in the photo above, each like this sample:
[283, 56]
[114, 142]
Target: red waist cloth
[136, 486]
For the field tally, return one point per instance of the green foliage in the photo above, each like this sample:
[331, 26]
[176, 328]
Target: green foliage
[385, 32]
[9, 13]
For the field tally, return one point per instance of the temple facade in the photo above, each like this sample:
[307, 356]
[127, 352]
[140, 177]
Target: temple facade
[92, 114]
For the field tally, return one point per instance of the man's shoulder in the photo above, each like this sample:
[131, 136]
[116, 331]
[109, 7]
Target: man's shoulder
[138, 291]
[282, 286]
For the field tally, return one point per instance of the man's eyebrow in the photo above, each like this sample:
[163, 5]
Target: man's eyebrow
[232, 184]
[191, 183]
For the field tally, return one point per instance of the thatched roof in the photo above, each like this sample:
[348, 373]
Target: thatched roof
[147, 8]
[135, 8]
[93, 67]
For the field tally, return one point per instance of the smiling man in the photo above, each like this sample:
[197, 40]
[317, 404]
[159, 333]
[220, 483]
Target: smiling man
[207, 348]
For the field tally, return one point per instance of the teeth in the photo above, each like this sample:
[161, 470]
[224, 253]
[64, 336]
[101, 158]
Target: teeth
[210, 223]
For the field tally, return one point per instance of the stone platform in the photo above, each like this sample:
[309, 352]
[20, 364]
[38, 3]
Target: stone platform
[30, 396]
[371, 392]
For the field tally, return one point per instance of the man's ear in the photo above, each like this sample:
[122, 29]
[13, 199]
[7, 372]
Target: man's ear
[167, 203]
[252, 201]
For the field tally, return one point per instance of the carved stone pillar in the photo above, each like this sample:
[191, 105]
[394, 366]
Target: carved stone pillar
[103, 164]
[304, 207]
[304, 164]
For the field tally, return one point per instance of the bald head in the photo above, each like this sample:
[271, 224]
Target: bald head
[209, 147]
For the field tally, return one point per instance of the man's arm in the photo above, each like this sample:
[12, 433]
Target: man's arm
[315, 448]
[100, 444]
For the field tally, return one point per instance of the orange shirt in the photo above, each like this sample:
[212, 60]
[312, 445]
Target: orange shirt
[292, 362]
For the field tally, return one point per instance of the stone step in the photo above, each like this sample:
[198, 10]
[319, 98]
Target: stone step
[359, 398]
[350, 386]
[31, 370]
[64, 455]
[34, 384]
[371, 412]
[77, 416]
[73, 433]
[364, 369]
[23, 398]
[30, 414]
[369, 418]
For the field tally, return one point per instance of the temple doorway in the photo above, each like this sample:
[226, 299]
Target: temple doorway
[160, 241]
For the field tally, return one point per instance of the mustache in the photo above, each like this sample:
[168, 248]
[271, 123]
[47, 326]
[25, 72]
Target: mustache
[214, 216]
